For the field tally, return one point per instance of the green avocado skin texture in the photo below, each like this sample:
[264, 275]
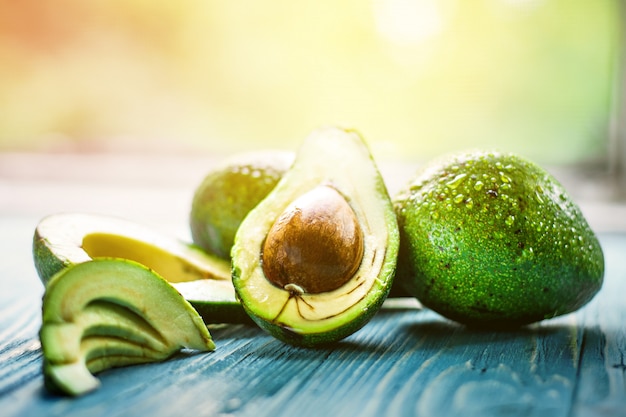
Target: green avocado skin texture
[46, 263]
[227, 194]
[493, 240]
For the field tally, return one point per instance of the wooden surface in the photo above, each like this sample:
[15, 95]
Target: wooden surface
[406, 362]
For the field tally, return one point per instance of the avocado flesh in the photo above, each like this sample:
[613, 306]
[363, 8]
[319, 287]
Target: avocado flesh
[491, 239]
[111, 312]
[339, 159]
[65, 239]
[95, 354]
[100, 318]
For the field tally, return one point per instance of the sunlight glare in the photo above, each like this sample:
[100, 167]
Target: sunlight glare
[408, 21]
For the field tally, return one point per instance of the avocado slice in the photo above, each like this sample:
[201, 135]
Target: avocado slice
[101, 318]
[491, 239]
[77, 377]
[314, 260]
[111, 312]
[64, 239]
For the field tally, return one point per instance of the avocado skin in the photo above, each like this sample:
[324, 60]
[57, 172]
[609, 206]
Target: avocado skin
[215, 312]
[46, 263]
[493, 240]
[228, 193]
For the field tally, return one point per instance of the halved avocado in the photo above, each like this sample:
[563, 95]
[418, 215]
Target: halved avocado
[112, 312]
[314, 261]
[65, 239]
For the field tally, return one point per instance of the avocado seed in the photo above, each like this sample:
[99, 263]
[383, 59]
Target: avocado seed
[315, 245]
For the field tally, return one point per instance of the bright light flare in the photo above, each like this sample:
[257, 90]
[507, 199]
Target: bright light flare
[408, 21]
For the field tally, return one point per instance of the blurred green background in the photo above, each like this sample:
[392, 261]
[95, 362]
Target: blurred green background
[417, 77]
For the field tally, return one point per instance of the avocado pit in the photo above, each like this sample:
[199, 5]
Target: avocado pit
[315, 245]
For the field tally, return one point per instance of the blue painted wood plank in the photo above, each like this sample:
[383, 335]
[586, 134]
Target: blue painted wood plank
[406, 362]
[601, 389]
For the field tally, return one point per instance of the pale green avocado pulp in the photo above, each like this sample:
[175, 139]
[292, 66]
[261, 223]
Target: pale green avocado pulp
[491, 239]
[339, 160]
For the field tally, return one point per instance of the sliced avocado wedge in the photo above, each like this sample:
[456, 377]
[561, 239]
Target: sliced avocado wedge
[77, 378]
[101, 318]
[65, 239]
[314, 261]
[112, 312]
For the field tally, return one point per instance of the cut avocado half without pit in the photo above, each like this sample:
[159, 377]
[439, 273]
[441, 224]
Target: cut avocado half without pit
[314, 260]
[65, 239]
[106, 313]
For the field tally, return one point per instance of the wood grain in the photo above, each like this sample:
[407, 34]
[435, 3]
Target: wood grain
[406, 362]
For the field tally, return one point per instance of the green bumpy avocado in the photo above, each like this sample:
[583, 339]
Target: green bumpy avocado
[315, 259]
[493, 240]
[228, 192]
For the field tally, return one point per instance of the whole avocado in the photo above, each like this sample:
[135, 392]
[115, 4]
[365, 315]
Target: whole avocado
[228, 192]
[491, 239]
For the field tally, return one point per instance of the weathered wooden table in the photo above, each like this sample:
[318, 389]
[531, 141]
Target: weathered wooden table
[406, 362]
